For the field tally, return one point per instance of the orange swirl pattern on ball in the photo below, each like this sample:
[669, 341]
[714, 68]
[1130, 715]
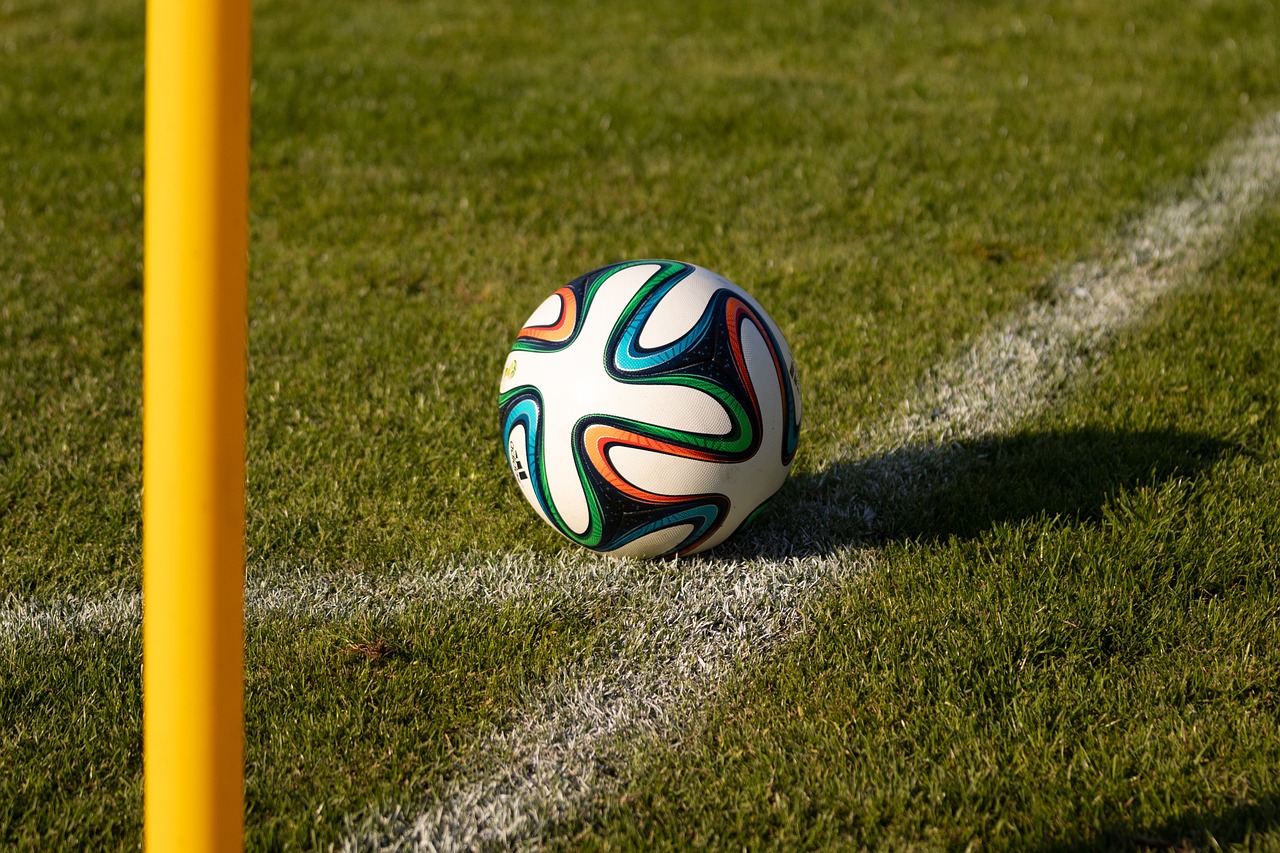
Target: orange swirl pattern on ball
[600, 437]
[563, 327]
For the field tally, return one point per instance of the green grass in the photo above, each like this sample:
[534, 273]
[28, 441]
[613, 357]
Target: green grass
[1101, 675]
[339, 715]
[423, 178]
[1097, 652]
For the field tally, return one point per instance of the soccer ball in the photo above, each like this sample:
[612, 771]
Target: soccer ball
[649, 408]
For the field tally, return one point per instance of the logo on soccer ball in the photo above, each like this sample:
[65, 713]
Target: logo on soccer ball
[657, 409]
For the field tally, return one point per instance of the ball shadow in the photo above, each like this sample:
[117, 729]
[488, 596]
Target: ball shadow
[964, 488]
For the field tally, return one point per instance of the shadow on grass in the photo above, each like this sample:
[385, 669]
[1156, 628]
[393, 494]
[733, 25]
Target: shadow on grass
[1232, 826]
[964, 488]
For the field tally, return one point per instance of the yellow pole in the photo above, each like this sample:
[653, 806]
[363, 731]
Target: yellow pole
[194, 371]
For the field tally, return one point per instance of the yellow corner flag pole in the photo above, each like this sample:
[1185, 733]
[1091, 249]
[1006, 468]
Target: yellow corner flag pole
[194, 375]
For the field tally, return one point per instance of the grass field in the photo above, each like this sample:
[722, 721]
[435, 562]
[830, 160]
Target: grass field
[1021, 592]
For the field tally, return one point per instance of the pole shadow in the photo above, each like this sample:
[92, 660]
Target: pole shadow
[962, 489]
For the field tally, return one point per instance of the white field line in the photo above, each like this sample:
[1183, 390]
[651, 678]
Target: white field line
[1010, 374]
[562, 749]
[325, 595]
[684, 627]
[71, 620]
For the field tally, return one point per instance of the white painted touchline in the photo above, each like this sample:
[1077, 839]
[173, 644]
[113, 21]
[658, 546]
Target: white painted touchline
[676, 638]
[1008, 374]
[550, 761]
[304, 592]
[324, 594]
[72, 619]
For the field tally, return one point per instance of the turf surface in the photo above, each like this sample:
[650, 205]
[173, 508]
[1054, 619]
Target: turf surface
[888, 179]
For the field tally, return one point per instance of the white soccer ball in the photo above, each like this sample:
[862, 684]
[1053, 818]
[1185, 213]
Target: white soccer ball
[649, 408]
